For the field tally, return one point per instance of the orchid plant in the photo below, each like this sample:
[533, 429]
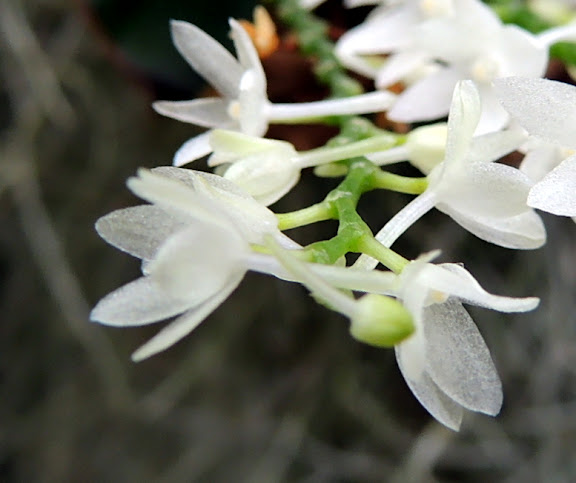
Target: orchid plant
[200, 233]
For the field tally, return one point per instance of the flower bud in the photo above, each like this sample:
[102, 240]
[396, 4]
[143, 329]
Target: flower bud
[427, 146]
[381, 321]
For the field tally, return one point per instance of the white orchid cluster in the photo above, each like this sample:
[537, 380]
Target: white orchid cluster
[202, 232]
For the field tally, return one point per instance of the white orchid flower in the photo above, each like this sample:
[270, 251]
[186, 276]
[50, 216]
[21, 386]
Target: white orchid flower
[446, 362]
[244, 105]
[486, 198]
[547, 110]
[194, 241]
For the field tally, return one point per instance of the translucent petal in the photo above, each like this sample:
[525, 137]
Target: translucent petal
[444, 409]
[193, 149]
[484, 190]
[185, 324]
[427, 99]
[140, 302]
[524, 55]
[492, 146]
[205, 112]
[521, 232]
[540, 160]
[139, 230]
[400, 66]
[250, 217]
[210, 59]
[456, 281]
[247, 53]
[171, 194]
[459, 361]
[543, 107]
[556, 193]
[197, 262]
[465, 111]
[229, 146]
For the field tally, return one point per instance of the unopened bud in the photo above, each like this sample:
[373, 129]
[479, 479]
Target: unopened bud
[381, 321]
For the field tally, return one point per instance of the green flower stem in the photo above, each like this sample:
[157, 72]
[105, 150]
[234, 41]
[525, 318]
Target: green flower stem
[312, 214]
[324, 155]
[401, 184]
[386, 256]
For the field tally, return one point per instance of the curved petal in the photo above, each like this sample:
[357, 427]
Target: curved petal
[459, 361]
[239, 208]
[556, 193]
[246, 52]
[253, 105]
[540, 160]
[140, 302]
[209, 58]
[525, 231]
[139, 230]
[427, 99]
[193, 149]
[399, 66]
[205, 112]
[484, 190]
[183, 325]
[465, 111]
[454, 280]
[543, 107]
[494, 145]
[444, 409]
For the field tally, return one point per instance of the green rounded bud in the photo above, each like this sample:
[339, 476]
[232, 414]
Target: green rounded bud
[381, 321]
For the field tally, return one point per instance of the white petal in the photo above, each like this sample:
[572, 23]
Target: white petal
[182, 326]
[465, 111]
[239, 208]
[205, 112]
[246, 52]
[193, 149]
[455, 280]
[139, 230]
[400, 66]
[172, 195]
[545, 108]
[195, 263]
[459, 361]
[140, 302]
[484, 190]
[444, 409]
[492, 146]
[427, 99]
[556, 193]
[540, 160]
[525, 231]
[207, 57]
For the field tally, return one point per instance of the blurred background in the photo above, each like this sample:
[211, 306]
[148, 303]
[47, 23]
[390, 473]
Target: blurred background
[270, 388]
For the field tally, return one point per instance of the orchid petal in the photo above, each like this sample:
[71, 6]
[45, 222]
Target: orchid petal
[140, 302]
[207, 57]
[205, 112]
[139, 230]
[524, 231]
[417, 104]
[459, 361]
[193, 149]
[440, 406]
[184, 324]
[556, 193]
[543, 107]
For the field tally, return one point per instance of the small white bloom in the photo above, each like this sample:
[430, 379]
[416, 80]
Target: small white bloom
[486, 198]
[194, 241]
[446, 362]
[244, 106]
[547, 110]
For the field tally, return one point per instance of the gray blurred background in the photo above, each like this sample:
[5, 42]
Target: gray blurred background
[270, 388]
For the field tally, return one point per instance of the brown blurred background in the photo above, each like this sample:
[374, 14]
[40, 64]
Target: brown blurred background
[270, 388]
